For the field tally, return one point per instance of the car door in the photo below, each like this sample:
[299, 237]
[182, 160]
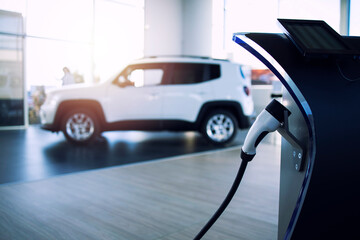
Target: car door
[135, 94]
[188, 88]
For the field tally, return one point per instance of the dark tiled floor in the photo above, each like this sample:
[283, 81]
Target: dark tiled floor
[34, 154]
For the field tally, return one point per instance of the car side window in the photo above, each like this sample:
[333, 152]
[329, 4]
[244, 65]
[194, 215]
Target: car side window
[190, 73]
[138, 76]
[146, 77]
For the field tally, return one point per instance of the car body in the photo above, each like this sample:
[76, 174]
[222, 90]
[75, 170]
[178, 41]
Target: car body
[156, 93]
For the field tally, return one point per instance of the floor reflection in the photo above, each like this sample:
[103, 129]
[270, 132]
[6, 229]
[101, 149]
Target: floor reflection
[35, 154]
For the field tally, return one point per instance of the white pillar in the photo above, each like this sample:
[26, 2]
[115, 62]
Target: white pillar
[344, 17]
[163, 27]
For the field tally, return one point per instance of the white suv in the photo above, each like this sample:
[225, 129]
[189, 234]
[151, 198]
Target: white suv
[156, 93]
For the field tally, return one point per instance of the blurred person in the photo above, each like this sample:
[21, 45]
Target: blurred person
[68, 78]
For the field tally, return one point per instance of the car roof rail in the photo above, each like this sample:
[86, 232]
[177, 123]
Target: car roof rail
[187, 56]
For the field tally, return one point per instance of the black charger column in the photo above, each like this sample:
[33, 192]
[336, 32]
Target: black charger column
[321, 201]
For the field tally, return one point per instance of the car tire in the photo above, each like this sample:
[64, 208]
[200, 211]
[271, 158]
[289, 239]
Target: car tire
[80, 126]
[219, 127]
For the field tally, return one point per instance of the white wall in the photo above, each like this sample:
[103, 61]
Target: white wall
[163, 27]
[175, 27]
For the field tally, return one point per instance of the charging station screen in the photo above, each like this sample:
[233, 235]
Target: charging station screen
[314, 37]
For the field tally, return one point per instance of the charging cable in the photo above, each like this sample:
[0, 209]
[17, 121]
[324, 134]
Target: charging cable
[226, 201]
[272, 118]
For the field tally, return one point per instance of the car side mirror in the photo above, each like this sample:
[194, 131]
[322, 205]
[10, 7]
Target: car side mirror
[123, 82]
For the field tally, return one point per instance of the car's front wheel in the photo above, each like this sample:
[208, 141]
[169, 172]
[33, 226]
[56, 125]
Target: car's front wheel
[80, 126]
[219, 127]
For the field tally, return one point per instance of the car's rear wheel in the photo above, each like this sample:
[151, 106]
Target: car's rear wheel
[219, 127]
[80, 126]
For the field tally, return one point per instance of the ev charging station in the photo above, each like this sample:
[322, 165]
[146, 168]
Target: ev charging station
[320, 152]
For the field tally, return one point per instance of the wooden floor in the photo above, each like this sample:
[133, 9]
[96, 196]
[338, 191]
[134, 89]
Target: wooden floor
[166, 199]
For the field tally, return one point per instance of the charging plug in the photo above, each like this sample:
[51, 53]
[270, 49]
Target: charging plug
[269, 120]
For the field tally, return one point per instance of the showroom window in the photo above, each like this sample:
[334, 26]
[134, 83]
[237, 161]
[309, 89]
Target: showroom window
[354, 18]
[11, 70]
[261, 16]
[248, 16]
[93, 39]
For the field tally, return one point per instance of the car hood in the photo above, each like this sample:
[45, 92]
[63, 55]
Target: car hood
[78, 91]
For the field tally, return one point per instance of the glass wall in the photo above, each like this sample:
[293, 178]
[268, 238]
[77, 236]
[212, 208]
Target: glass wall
[92, 38]
[248, 16]
[261, 16]
[354, 18]
[11, 70]
[64, 39]
[327, 10]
